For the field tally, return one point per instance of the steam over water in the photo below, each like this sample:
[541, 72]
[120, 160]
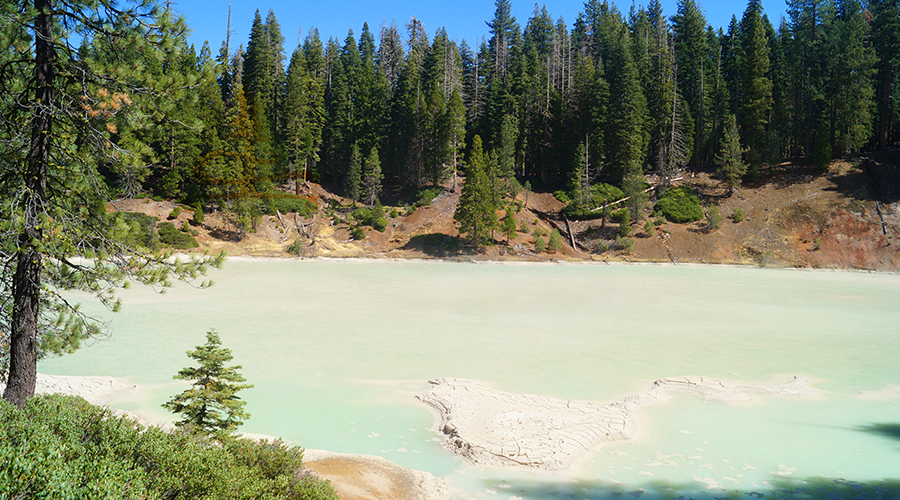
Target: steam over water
[337, 351]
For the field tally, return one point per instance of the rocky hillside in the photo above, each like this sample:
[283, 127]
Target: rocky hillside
[847, 217]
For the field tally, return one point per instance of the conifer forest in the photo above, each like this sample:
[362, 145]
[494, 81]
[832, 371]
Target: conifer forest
[613, 96]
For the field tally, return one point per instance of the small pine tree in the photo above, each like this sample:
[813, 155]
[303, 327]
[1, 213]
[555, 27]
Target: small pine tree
[539, 244]
[508, 226]
[198, 213]
[556, 242]
[713, 219]
[211, 405]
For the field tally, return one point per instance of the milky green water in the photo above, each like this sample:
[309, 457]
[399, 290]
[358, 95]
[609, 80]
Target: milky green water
[337, 351]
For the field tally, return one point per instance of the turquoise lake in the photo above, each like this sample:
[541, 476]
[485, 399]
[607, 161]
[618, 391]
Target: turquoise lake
[337, 351]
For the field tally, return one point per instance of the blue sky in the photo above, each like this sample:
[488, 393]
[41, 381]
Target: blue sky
[463, 19]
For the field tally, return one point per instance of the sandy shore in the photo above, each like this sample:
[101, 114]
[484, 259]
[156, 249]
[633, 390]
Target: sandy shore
[354, 477]
[491, 427]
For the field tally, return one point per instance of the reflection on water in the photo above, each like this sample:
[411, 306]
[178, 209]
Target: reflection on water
[337, 351]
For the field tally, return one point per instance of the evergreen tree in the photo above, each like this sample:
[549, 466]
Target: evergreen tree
[886, 42]
[476, 213]
[354, 174]
[508, 225]
[60, 111]
[756, 86]
[211, 405]
[731, 164]
[372, 177]
[853, 96]
[691, 51]
[304, 118]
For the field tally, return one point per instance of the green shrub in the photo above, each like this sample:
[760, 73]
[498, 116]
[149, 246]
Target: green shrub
[738, 215]
[295, 248]
[620, 216]
[426, 194]
[625, 244]
[137, 230]
[158, 198]
[373, 217]
[171, 237]
[649, 227]
[561, 196]
[601, 247]
[174, 213]
[288, 203]
[186, 228]
[63, 447]
[358, 233]
[540, 246]
[538, 232]
[680, 205]
[713, 219]
[394, 213]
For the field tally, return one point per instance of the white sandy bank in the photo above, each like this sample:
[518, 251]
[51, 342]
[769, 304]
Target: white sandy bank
[486, 426]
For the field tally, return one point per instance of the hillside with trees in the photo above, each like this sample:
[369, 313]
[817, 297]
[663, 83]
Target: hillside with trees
[578, 106]
[613, 106]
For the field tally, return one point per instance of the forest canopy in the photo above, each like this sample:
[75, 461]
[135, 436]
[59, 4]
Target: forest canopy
[563, 105]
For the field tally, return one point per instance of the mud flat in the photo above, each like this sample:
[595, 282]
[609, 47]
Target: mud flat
[490, 427]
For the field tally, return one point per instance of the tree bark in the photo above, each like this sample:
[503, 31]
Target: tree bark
[27, 279]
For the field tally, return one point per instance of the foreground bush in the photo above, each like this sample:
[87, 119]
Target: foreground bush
[679, 205]
[61, 447]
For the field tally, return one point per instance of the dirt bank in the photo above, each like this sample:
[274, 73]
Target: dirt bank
[845, 218]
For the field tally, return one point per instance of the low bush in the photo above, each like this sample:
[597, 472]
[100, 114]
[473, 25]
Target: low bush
[540, 246]
[713, 219]
[601, 247]
[137, 230]
[59, 447]
[426, 194]
[620, 216]
[737, 215]
[373, 216]
[625, 244]
[288, 204]
[562, 196]
[680, 205]
[171, 237]
[358, 233]
[174, 213]
[295, 248]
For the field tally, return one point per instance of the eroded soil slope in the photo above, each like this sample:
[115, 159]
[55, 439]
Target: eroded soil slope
[847, 217]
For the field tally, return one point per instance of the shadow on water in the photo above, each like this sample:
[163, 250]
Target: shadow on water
[813, 488]
[890, 430]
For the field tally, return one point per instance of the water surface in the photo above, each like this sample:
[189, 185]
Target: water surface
[338, 349]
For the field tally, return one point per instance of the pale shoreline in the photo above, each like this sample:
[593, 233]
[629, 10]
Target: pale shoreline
[552, 262]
